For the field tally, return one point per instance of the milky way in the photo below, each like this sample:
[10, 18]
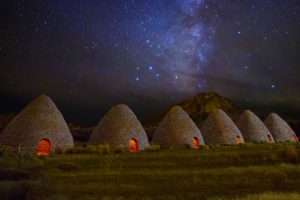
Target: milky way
[90, 55]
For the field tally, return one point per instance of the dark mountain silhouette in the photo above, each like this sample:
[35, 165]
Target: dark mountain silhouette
[198, 107]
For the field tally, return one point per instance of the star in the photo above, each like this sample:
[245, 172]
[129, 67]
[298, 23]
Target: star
[166, 48]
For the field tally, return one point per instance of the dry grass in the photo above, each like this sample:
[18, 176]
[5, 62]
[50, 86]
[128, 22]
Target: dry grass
[217, 172]
[265, 196]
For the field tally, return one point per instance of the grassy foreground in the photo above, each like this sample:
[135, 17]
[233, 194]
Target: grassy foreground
[249, 171]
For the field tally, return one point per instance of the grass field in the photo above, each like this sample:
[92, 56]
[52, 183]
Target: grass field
[250, 171]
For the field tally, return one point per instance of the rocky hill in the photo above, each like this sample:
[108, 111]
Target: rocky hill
[198, 107]
[81, 135]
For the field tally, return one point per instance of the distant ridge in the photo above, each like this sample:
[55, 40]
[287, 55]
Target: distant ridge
[198, 108]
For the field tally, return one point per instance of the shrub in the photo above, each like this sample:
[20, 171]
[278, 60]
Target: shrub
[103, 149]
[58, 151]
[171, 148]
[79, 150]
[153, 148]
[247, 145]
[7, 156]
[5, 151]
[27, 158]
[91, 149]
[204, 147]
[69, 151]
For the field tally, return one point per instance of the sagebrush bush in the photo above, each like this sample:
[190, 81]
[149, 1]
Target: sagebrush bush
[7, 155]
[77, 150]
[153, 148]
[25, 158]
[103, 149]
[204, 147]
[68, 151]
[28, 159]
[247, 145]
[214, 147]
[5, 151]
[80, 149]
[90, 149]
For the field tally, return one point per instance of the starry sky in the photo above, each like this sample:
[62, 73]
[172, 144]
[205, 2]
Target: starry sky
[89, 55]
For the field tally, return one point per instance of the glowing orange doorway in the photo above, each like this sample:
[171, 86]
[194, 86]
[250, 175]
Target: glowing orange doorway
[196, 143]
[44, 147]
[238, 139]
[134, 146]
[270, 139]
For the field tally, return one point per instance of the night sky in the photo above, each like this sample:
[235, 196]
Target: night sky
[90, 55]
